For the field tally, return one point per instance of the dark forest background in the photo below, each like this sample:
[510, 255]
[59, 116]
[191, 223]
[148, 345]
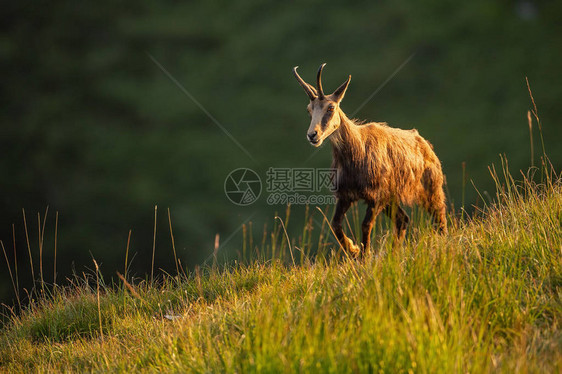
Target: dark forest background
[94, 129]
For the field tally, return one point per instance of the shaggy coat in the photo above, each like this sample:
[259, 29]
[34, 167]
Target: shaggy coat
[381, 165]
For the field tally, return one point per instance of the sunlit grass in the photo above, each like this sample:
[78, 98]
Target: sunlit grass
[485, 297]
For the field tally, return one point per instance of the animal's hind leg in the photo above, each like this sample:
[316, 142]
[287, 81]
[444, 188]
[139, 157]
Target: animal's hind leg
[439, 217]
[437, 209]
[341, 207]
[434, 200]
[400, 219]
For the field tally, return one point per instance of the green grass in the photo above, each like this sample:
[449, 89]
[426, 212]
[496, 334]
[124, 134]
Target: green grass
[484, 298]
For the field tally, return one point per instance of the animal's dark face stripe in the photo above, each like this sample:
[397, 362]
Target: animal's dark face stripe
[325, 119]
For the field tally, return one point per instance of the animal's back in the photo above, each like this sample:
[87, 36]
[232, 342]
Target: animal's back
[403, 164]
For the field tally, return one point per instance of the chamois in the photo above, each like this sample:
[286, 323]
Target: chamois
[381, 165]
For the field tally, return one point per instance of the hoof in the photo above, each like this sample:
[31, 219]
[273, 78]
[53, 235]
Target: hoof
[352, 248]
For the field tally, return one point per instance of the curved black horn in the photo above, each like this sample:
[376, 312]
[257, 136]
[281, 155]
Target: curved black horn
[310, 91]
[319, 81]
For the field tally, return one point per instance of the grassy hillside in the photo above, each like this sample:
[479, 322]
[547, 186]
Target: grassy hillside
[485, 297]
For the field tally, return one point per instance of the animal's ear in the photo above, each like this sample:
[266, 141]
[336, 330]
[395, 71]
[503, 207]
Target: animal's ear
[339, 93]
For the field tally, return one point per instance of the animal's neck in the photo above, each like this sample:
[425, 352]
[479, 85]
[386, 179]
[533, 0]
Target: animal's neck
[346, 140]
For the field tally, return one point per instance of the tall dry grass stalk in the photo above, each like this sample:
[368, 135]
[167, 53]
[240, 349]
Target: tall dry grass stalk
[16, 261]
[535, 112]
[98, 297]
[173, 243]
[28, 246]
[41, 237]
[216, 250]
[153, 244]
[127, 253]
[55, 258]
[288, 240]
[530, 121]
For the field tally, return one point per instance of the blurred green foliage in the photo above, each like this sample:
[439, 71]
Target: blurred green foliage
[92, 127]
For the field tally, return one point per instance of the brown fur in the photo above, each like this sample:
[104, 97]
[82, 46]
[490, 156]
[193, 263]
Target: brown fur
[381, 165]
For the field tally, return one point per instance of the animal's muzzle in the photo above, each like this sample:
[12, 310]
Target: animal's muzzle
[312, 137]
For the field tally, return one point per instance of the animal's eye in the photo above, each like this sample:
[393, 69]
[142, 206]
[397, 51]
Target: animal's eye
[330, 108]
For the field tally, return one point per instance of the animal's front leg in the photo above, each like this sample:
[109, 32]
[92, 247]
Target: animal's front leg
[341, 207]
[373, 211]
